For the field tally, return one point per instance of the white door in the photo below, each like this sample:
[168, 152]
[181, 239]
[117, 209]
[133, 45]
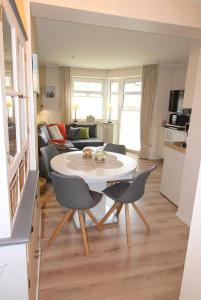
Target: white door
[130, 115]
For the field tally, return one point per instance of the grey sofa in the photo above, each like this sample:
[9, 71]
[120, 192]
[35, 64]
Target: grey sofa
[44, 136]
[81, 143]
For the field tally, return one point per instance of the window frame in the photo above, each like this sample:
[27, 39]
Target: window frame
[103, 93]
[121, 92]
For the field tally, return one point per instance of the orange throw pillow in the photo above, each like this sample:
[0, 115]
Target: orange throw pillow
[62, 129]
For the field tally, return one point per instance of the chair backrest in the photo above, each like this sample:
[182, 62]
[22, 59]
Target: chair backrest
[43, 134]
[48, 152]
[72, 191]
[136, 189]
[121, 149]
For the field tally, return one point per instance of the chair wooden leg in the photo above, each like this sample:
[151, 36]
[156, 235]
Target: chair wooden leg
[120, 205]
[141, 215]
[84, 233]
[71, 217]
[61, 225]
[93, 218]
[110, 211]
[128, 228]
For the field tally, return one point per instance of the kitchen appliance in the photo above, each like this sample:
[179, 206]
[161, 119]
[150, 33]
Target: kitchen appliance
[176, 101]
[179, 119]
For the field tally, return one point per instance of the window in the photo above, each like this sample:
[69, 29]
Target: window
[125, 102]
[88, 98]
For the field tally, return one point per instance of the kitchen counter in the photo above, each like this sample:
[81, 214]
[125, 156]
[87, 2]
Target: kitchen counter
[176, 146]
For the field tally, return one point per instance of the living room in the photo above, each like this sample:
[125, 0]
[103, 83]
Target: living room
[86, 61]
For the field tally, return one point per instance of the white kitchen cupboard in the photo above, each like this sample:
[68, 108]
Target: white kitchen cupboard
[172, 172]
[19, 213]
[168, 135]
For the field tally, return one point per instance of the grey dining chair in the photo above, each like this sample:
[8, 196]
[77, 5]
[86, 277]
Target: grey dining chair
[121, 149]
[125, 192]
[73, 193]
[48, 152]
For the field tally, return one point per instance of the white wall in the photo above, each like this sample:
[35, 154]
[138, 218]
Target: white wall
[125, 72]
[185, 13]
[191, 288]
[180, 76]
[51, 112]
[169, 77]
[89, 73]
[193, 151]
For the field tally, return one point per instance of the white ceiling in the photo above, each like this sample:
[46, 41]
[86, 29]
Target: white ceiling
[89, 46]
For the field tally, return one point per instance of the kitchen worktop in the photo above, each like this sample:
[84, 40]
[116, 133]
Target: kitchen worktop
[176, 146]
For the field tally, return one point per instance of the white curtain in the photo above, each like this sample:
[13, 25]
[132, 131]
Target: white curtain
[148, 96]
[65, 94]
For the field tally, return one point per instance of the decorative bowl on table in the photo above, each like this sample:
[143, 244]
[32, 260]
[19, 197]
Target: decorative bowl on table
[100, 156]
[87, 153]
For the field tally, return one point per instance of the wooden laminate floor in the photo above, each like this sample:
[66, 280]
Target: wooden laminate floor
[150, 270]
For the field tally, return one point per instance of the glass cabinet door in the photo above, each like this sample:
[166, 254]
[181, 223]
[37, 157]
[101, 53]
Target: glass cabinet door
[15, 89]
[11, 101]
[8, 53]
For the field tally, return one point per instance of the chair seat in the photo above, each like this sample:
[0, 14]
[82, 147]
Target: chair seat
[116, 190]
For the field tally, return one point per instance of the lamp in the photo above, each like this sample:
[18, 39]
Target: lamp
[9, 103]
[75, 107]
[109, 109]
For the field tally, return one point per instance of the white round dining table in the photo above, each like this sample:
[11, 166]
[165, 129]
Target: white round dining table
[96, 175]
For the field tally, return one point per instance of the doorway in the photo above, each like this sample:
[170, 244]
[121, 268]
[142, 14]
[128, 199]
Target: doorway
[125, 101]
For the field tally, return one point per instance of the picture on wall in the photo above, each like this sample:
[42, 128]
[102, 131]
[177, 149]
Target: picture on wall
[50, 91]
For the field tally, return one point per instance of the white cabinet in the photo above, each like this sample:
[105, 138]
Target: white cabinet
[172, 135]
[168, 135]
[172, 174]
[107, 132]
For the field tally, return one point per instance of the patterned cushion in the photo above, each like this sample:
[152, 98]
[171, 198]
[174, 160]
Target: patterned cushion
[55, 132]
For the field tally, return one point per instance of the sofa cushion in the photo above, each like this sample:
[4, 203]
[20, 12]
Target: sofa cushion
[84, 133]
[55, 132]
[93, 142]
[62, 129]
[73, 133]
[57, 141]
[43, 134]
[92, 128]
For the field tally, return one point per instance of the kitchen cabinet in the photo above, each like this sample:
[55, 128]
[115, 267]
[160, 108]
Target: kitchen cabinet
[168, 135]
[174, 156]
[19, 254]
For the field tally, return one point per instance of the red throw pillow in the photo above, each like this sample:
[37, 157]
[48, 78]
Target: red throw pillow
[57, 141]
[62, 129]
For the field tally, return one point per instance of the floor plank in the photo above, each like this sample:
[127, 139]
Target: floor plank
[150, 270]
